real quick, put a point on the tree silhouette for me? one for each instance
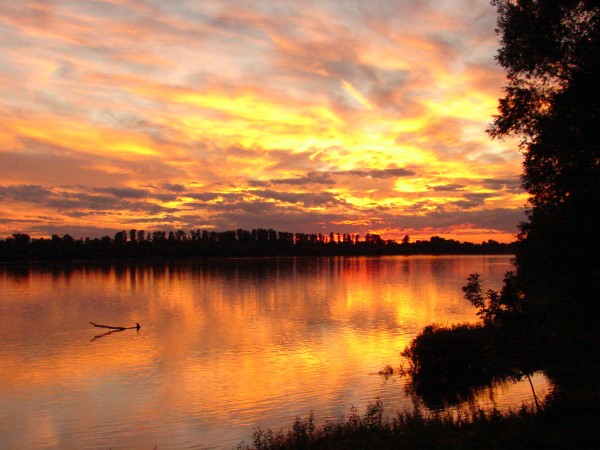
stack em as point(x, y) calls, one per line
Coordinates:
point(550, 52)
point(202, 243)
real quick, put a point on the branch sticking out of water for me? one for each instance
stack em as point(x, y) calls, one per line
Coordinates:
point(137, 327)
point(113, 329)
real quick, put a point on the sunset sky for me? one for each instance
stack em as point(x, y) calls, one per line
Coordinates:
point(349, 116)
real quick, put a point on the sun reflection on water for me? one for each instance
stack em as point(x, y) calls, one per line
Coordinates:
point(225, 345)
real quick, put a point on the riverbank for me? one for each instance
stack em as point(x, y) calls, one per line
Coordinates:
point(563, 345)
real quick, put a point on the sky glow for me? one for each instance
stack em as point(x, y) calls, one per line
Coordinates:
point(303, 116)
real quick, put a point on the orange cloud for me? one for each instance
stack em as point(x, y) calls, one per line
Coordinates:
point(216, 98)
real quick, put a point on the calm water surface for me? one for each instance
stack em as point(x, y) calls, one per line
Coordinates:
point(225, 346)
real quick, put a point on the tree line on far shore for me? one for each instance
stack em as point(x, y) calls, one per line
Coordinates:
point(258, 242)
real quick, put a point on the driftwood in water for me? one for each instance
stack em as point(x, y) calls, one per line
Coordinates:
point(113, 329)
point(137, 327)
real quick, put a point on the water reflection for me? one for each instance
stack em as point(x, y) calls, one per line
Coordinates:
point(225, 345)
point(528, 388)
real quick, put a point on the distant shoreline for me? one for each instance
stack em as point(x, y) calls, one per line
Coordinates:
point(231, 244)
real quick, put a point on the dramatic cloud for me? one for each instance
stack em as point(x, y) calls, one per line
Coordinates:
point(375, 173)
point(124, 192)
point(301, 116)
point(311, 178)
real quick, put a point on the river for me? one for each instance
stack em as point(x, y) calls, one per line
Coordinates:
point(224, 346)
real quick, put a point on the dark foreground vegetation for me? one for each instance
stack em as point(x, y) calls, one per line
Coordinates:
point(448, 366)
point(546, 316)
point(526, 428)
point(201, 243)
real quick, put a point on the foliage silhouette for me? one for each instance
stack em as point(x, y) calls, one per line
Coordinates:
point(201, 243)
point(473, 428)
point(552, 103)
point(450, 364)
point(493, 306)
